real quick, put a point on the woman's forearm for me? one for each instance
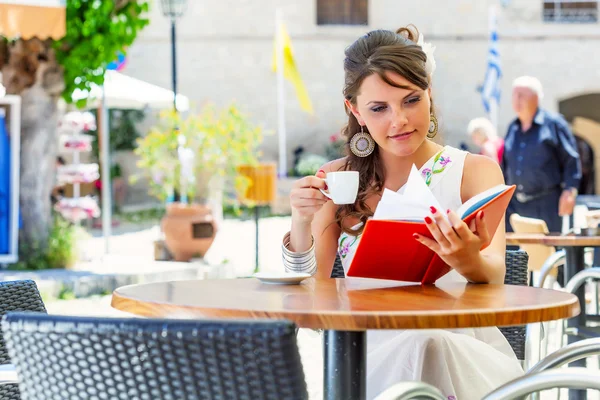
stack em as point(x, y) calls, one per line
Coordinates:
point(300, 235)
point(487, 268)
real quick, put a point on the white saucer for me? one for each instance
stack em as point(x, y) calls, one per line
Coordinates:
point(281, 278)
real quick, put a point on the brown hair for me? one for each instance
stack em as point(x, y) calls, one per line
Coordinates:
point(377, 52)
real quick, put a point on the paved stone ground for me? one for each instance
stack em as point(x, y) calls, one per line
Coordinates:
point(235, 243)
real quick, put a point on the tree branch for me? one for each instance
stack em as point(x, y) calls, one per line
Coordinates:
point(120, 4)
point(3, 52)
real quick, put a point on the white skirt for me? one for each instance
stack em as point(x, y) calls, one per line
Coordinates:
point(464, 364)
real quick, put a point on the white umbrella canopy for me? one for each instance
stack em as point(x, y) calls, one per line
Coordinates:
point(123, 91)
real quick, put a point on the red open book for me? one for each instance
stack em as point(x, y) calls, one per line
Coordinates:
point(388, 250)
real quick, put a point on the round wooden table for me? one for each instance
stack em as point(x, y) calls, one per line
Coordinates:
point(346, 308)
point(552, 239)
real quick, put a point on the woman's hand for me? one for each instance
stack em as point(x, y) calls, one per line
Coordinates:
point(458, 244)
point(305, 197)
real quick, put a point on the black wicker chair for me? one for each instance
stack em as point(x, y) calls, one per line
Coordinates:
point(516, 274)
point(16, 296)
point(60, 357)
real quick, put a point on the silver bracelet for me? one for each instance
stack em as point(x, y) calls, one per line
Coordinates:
point(304, 261)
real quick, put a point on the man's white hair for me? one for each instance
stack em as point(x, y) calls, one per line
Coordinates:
point(531, 83)
point(482, 125)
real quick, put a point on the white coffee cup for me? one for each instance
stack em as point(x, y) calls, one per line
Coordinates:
point(342, 186)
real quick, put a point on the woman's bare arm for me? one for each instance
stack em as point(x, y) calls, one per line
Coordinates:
point(482, 173)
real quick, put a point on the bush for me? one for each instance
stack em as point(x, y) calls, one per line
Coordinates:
point(60, 252)
point(335, 147)
point(309, 164)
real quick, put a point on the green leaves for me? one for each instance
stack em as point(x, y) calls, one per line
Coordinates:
point(96, 34)
point(221, 140)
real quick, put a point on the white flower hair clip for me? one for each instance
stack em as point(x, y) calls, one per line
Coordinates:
point(428, 49)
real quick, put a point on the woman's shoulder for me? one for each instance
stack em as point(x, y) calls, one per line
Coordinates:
point(480, 173)
point(480, 166)
point(475, 161)
point(335, 165)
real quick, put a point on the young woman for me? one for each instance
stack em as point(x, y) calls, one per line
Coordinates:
point(391, 121)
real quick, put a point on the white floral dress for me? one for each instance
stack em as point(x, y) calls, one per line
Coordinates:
point(464, 364)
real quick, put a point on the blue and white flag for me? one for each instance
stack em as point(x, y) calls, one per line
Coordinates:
point(490, 91)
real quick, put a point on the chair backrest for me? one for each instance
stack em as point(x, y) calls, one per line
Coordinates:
point(338, 269)
point(538, 253)
point(80, 358)
point(516, 274)
point(522, 387)
point(16, 296)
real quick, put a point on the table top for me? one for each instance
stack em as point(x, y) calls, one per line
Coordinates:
point(349, 304)
point(552, 239)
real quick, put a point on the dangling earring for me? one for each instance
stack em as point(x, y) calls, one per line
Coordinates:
point(433, 127)
point(362, 144)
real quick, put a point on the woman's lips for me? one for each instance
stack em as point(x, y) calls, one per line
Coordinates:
point(402, 136)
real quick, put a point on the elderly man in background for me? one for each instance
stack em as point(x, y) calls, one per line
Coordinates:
point(483, 134)
point(540, 157)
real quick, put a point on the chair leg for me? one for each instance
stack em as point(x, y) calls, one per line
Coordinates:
point(547, 341)
point(596, 297)
point(562, 334)
point(543, 336)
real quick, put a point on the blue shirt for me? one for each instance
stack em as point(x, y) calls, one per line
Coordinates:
point(542, 158)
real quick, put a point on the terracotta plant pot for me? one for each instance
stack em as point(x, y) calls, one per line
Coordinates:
point(189, 229)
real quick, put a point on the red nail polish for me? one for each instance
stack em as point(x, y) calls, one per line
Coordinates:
point(433, 210)
point(415, 236)
point(428, 220)
point(325, 188)
point(320, 171)
point(481, 213)
point(448, 211)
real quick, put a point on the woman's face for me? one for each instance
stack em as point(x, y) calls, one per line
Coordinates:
point(397, 118)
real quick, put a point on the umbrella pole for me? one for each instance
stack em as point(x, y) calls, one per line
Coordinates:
point(106, 181)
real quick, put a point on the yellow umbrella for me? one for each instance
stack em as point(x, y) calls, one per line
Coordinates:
point(33, 18)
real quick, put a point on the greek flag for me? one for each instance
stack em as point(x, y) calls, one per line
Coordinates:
point(490, 91)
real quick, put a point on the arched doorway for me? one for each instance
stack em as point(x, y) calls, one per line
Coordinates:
point(583, 113)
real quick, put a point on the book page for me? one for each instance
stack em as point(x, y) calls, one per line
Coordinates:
point(412, 205)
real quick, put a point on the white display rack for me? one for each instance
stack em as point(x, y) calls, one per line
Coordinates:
point(77, 208)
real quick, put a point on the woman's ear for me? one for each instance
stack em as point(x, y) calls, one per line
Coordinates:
point(354, 111)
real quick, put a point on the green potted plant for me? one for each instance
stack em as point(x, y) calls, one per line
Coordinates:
point(196, 156)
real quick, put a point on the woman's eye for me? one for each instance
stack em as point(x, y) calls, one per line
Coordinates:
point(413, 100)
point(378, 108)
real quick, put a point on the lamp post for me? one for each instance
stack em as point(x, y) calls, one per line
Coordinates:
point(173, 9)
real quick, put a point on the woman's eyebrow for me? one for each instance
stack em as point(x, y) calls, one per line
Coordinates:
point(383, 102)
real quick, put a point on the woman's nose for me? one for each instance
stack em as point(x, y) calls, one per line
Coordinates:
point(400, 118)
